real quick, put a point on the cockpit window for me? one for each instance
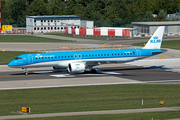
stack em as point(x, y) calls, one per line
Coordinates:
point(18, 58)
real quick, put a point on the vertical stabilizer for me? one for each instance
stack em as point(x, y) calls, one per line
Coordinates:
point(156, 40)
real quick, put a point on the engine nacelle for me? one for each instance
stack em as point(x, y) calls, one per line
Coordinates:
point(76, 67)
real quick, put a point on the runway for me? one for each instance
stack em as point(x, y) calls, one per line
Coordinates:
point(159, 69)
point(106, 75)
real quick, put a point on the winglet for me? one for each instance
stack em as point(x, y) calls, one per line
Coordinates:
point(156, 40)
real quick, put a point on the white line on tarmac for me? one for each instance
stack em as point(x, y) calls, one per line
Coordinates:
point(76, 85)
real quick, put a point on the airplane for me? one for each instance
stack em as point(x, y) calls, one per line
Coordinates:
point(79, 61)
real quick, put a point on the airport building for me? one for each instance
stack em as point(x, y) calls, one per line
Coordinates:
point(171, 27)
point(55, 23)
point(51, 23)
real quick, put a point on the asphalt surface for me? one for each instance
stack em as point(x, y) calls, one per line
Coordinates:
point(159, 69)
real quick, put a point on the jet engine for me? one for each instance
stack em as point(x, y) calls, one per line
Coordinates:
point(76, 67)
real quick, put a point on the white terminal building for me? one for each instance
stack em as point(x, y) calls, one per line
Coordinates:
point(54, 23)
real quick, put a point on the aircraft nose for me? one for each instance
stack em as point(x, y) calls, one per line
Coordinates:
point(11, 64)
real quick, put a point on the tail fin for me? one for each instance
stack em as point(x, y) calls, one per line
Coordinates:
point(156, 40)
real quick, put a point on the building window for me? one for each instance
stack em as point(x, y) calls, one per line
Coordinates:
point(48, 24)
point(48, 20)
point(44, 28)
point(35, 28)
point(35, 24)
point(41, 20)
point(41, 24)
point(44, 20)
point(51, 20)
point(34, 20)
point(55, 28)
point(55, 21)
point(41, 28)
point(51, 28)
point(55, 24)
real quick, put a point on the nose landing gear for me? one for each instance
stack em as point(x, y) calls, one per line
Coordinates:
point(25, 71)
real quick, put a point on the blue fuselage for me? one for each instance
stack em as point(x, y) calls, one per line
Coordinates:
point(61, 59)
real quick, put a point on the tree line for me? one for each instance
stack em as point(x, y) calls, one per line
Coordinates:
point(103, 12)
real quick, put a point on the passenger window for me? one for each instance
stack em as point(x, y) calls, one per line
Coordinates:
point(124, 53)
point(108, 54)
point(101, 54)
point(92, 55)
point(127, 53)
point(121, 53)
point(115, 54)
point(104, 54)
point(112, 54)
point(86, 55)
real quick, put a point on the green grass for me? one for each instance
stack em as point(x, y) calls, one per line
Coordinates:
point(89, 98)
point(110, 38)
point(172, 44)
point(93, 38)
point(26, 38)
point(130, 116)
point(8, 56)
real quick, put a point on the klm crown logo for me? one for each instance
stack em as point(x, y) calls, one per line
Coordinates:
point(156, 40)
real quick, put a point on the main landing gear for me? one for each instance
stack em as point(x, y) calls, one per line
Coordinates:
point(93, 71)
point(25, 71)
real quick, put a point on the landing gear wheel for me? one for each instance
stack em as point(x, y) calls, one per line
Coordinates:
point(93, 71)
point(25, 71)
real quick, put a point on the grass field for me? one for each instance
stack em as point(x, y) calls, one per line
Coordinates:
point(93, 38)
point(27, 38)
point(8, 56)
point(172, 44)
point(89, 98)
point(110, 38)
point(130, 116)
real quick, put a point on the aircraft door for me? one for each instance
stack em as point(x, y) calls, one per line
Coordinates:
point(138, 53)
point(30, 58)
